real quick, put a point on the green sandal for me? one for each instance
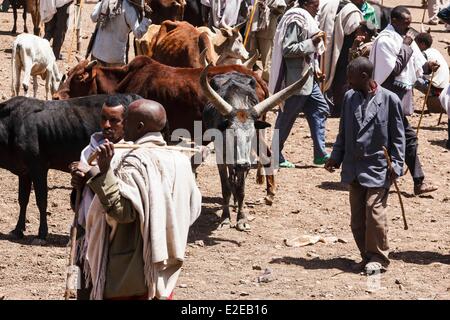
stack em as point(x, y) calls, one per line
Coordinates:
point(322, 160)
point(287, 164)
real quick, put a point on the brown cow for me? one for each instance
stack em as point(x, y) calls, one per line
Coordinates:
point(166, 10)
point(31, 7)
point(177, 89)
point(179, 44)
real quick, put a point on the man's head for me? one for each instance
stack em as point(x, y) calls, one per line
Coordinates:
point(424, 40)
point(144, 116)
point(401, 19)
point(113, 115)
point(358, 3)
point(312, 6)
point(359, 74)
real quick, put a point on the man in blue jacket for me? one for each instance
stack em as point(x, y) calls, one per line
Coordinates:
point(371, 119)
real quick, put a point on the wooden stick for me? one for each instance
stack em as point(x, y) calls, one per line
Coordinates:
point(424, 103)
point(440, 118)
point(249, 26)
point(74, 29)
point(94, 154)
point(73, 242)
point(322, 61)
point(388, 159)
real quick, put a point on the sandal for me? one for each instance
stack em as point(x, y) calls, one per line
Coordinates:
point(374, 267)
point(287, 164)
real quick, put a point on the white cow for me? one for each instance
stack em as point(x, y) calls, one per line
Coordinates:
point(35, 57)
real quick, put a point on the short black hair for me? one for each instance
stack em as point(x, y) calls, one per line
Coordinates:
point(369, 28)
point(360, 65)
point(425, 38)
point(399, 11)
point(121, 99)
point(301, 3)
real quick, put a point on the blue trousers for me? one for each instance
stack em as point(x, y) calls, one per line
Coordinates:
point(316, 111)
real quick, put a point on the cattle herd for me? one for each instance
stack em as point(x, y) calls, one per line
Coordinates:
point(198, 74)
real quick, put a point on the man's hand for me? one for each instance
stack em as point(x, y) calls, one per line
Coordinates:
point(357, 42)
point(78, 179)
point(320, 76)
point(392, 175)
point(433, 65)
point(317, 37)
point(105, 153)
point(407, 40)
point(331, 165)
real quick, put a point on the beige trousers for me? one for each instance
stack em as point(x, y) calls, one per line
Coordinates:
point(369, 222)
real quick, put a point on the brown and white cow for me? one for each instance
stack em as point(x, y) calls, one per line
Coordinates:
point(179, 44)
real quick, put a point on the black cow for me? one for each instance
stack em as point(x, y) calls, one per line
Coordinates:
point(234, 110)
point(36, 136)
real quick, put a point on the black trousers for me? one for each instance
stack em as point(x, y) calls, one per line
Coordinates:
point(411, 157)
point(56, 28)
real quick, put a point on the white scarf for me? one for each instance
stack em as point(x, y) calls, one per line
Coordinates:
point(347, 21)
point(161, 186)
point(384, 55)
point(305, 21)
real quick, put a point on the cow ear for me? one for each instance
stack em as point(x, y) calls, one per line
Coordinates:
point(261, 124)
point(63, 78)
point(224, 125)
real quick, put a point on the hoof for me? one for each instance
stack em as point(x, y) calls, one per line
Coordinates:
point(242, 225)
point(269, 199)
point(225, 224)
point(38, 242)
point(16, 234)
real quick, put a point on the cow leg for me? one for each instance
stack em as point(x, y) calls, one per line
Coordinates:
point(242, 223)
point(27, 64)
point(226, 194)
point(40, 189)
point(24, 15)
point(17, 70)
point(24, 196)
point(36, 86)
point(14, 7)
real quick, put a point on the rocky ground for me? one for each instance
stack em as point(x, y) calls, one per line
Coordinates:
point(266, 262)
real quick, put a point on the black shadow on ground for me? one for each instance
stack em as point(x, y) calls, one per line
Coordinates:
point(343, 264)
point(420, 257)
point(332, 185)
point(53, 240)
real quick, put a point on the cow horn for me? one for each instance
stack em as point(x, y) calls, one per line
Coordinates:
point(221, 105)
point(203, 58)
point(78, 57)
point(278, 97)
point(251, 62)
point(239, 26)
point(91, 64)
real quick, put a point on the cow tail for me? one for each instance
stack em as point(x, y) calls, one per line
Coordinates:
point(205, 43)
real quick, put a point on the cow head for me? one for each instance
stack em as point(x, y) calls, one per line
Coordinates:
point(79, 82)
point(167, 10)
point(229, 44)
point(235, 99)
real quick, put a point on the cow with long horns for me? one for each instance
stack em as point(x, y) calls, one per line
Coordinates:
point(234, 110)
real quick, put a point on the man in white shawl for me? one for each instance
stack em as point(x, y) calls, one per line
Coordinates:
point(55, 16)
point(112, 122)
point(223, 12)
point(348, 17)
point(297, 44)
point(138, 223)
point(398, 63)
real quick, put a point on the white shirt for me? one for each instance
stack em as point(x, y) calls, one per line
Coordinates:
point(111, 40)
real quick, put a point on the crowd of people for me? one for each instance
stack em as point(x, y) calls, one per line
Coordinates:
point(361, 71)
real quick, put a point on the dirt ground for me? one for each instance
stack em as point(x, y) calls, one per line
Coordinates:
point(226, 263)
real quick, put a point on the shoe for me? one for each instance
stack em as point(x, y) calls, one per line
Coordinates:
point(322, 160)
point(373, 268)
point(424, 188)
point(287, 164)
point(432, 23)
point(444, 15)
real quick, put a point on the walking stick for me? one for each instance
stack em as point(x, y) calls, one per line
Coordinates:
point(72, 270)
point(424, 103)
point(322, 61)
point(440, 118)
point(249, 25)
point(388, 159)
